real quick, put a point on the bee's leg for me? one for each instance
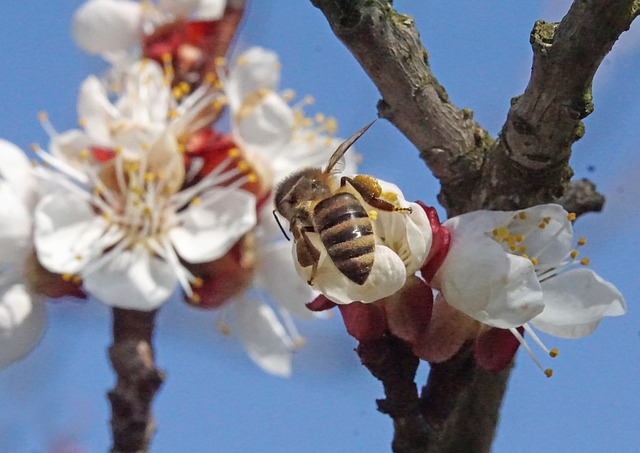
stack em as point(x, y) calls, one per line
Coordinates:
point(370, 189)
point(311, 253)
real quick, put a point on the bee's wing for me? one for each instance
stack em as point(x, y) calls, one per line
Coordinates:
point(338, 154)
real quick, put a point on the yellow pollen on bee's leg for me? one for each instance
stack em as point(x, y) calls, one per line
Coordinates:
point(571, 216)
point(373, 214)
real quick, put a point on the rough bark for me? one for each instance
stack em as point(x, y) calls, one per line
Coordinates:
point(138, 380)
point(527, 164)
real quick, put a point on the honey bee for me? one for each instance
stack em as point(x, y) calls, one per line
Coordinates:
point(307, 201)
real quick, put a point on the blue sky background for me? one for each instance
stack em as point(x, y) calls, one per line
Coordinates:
point(215, 399)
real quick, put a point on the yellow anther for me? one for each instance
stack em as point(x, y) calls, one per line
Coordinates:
point(82, 122)
point(501, 233)
point(197, 282)
point(184, 87)
point(171, 114)
point(534, 261)
point(181, 148)
point(243, 166)
point(554, 352)
point(83, 154)
point(177, 92)
point(194, 298)
point(223, 328)
point(195, 201)
point(307, 122)
point(210, 77)
point(76, 280)
point(548, 372)
point(542, 226)
point(34, 147)
point(585, 261)
point(308, 100)
point(234, 152)
point(546, 220)
point(166, 58)
point(66, 277)
point(524, 255)
point(573, 254)
point(218, 104)
point(117, 149)
point(219, 61)
point(522, 215)
point(373, 214)
point(582, 241)
point(144, 146)
point(519, 238)
point(522, 249)
point(78, 257)
point(513, 247)
point(43, 116)
point(106, 216)
point(241, 60)
point(149, 177)
point(288, 95)
point(319, 117)
point(99, 190)
point(571, 216)
point(147, 211)
point(331, 125)
point(252, 177)
point(299, 342)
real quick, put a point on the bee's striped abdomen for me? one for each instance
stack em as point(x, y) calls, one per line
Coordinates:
point(347, 234)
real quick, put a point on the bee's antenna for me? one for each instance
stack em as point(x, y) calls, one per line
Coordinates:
point(275, 216)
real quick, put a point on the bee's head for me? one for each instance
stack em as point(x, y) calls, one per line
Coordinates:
point(304, 185)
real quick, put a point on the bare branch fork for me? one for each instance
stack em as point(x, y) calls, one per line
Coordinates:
point(527, 164)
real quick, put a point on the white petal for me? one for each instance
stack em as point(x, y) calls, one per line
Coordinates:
point(178, 8)
point(95, 110)
point(22, 321)
point(551, 244)
point(575, 302)
point(387, 276)
point(67, 232)
point(263, 336)
point(210, 9)
point(209, 229)
point(16, 169)
point(68, 146)
point(132, 279)
point(264, 126)
point(478, 278)
point(256, 69)
point(15, 226)
point(276, 274)
point(107, 25)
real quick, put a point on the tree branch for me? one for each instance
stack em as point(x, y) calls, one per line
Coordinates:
point(391, 361)
point(528, 165)
point(138, 380)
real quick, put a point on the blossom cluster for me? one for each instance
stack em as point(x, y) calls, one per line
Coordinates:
point(150, 193)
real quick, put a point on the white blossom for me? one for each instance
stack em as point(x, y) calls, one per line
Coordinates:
point(22, 311)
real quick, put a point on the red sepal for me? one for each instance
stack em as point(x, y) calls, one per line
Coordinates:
point(495, 348)
point(439, 245)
